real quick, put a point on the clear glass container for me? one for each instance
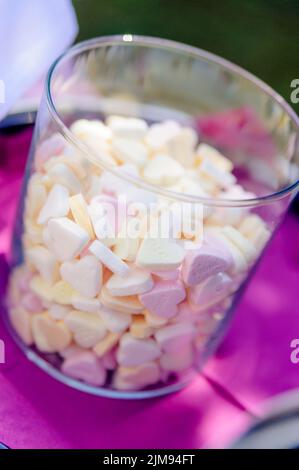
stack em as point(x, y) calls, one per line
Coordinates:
point(71, 319)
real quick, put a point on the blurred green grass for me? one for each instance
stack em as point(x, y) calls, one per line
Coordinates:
point(260, 35)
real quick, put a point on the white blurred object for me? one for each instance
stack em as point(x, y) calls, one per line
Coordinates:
point(32, 34)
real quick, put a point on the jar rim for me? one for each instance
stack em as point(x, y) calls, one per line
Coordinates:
point(160, 43)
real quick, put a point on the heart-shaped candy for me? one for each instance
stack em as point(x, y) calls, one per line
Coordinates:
point(88, 329)
point(164, 298)
point(159, 254)
point(205, 261)
point(173, 337)
point(134, 378)
point(135, 282)
point(84, 275)
point(65, 238)
point(50, 335)
point(212, 291)
point(56, 205)
point(85, 366)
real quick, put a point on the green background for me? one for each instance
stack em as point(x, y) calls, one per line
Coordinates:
point(260, 35)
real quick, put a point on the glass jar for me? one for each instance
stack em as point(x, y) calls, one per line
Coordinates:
point(134, 239)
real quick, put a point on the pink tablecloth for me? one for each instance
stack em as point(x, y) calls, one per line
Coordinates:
point(252, 364)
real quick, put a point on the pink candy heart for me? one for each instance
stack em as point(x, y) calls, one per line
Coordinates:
point(85, 366)
point(212, 291)
point(203, 262)
point(164, 298)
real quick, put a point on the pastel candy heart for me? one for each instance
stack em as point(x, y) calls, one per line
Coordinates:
point(177, 361)
point(79, 211)
point(126, 248)
point(129, 128)
point(186, 313)
point(44, 261)
point(49, 335)
point(21, 321)
point(161, 133)
point(49, 148)
point(57, 311)
point(171, 275)
point(239, 263)
point(140, 328)
point(63, 175)
point(211, 291)
point(41, 288)
point(86, 304)
point(243, 244)
point(203, 262)
point(36, 196)
point(159, 254)
point(73, 160)
point(31, 302)
point(162, 170)
point(106, 344)
point(85, 366)
point(134, 378)
point(108, 258)
point(84, 128)
point(163, 299)
point(84, 275)
point(115, 321)
point(128, 304)
point(62, 293)
point(71, 350)
point(66, 238)
point(133, 351)
point(135, 282)
point(173, 337)
point(88, 329)
point(56, 205)
point(130, 151)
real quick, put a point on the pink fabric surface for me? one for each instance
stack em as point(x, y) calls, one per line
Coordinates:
point(252, 364)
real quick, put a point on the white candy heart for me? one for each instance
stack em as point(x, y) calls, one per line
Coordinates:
point(163, 170)
point(84, 275)
point(159, 254)
point(56, 205)
point(61, 174)
point(129, 128)
point(130, 151)
point(66, 238)
point(161, 133)
point(86, 304)
point(135, 282)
